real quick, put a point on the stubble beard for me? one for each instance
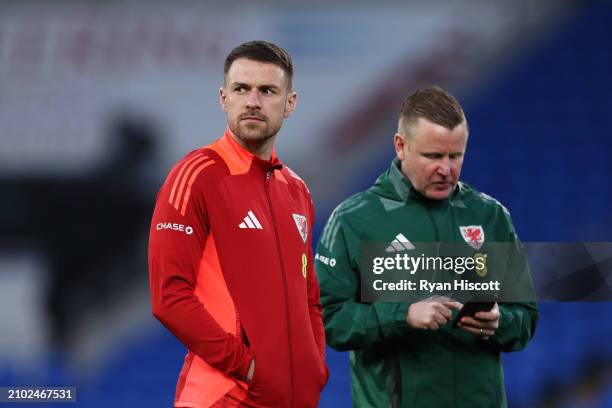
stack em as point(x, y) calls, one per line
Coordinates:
point(256, 136)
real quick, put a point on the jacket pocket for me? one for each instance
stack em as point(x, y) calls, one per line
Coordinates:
point(244, 340)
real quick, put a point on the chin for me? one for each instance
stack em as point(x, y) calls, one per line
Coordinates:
point(251, 133)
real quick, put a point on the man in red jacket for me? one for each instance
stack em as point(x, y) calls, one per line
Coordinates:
point(230, 254)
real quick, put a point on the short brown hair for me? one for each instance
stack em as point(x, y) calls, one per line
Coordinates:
point(434, 104)
point(261, 51)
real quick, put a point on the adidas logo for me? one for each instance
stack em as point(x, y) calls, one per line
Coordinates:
point(400, 243)
point(250, 221)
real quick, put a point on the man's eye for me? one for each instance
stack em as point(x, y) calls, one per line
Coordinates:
point(456, 156)
point(267, 91)
point(240, 89)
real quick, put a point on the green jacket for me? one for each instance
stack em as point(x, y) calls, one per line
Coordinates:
point(392, 364)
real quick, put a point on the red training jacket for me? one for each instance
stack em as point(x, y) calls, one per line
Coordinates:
point(231, 274)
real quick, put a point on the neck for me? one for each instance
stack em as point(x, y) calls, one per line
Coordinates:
point(260, 148)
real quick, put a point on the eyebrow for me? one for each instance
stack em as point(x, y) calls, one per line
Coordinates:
point(429, 152)
point(245, 85)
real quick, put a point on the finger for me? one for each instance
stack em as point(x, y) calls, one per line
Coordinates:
point(422, 326)
point(446, 313)
point(487, 315)
point(492, 323)
point(453, 304)
point(445, 299)
point(479, 324)
point(485, 333)
point(440, 319)
point(482, 325)
point(433, 325)
point(443, 310)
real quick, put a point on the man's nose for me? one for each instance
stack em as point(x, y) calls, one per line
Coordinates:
point(444, 169)
point(254, 100)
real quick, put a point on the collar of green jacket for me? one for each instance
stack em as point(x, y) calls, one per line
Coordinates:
point(394, 185)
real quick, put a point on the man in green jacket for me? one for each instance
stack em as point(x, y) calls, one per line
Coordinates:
point(408, 354)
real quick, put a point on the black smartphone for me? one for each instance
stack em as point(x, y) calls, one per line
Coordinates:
point(471, 308)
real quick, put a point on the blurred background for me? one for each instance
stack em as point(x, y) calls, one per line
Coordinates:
point(99, 99)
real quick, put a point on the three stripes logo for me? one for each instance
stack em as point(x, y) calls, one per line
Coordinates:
point(181, 189)
point(250, 221)
point(400, 243)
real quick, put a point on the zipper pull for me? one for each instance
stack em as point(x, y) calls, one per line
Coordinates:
point(268, 174)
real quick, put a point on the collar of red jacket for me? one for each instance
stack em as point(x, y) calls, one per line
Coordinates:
point(245, 157)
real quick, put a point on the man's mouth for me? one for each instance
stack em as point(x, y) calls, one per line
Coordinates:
point(253, 118)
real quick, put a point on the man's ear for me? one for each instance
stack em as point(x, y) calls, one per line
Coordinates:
point(223, 98)
point(290, 104)
point(399, 141)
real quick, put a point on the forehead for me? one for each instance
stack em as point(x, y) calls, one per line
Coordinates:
point(247, 71)
point(427, 135)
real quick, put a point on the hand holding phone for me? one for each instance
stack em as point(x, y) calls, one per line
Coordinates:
point(483, 326)
point(471, 308)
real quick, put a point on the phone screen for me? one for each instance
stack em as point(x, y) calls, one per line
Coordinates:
point(471, 308)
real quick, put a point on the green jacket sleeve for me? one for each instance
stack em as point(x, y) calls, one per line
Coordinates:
point(518, 320)
point(350, 324)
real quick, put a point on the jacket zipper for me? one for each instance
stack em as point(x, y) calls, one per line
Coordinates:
point(437, 239)
point(433, 223)
point(283, 276)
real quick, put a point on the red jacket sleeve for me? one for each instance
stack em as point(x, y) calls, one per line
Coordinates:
point(178, 233)
point(314, 302)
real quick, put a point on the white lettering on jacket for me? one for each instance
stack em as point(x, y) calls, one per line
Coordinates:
point(174, 227)
point(325, 260)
